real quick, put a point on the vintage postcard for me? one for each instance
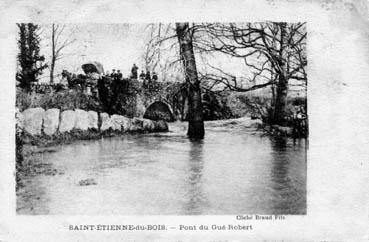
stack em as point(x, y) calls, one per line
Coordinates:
point(185, 121)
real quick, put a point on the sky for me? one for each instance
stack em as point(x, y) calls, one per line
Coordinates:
point(117, 46)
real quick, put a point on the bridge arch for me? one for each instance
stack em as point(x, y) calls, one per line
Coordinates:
point(159, 110)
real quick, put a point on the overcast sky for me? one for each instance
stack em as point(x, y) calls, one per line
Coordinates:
point(116, 46)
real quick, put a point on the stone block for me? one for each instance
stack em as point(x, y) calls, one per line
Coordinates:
point(67, 121)
point(105, 121)
point(81, 122)
point(93, 120)
point(51, 121)
point(32, 120)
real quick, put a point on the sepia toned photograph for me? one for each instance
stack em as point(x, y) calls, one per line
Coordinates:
point(183, 118)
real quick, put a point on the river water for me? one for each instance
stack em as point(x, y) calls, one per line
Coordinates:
point(234, 170)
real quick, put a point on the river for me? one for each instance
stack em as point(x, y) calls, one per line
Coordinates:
point(234, 170)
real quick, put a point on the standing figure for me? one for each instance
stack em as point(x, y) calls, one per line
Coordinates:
point(113, 74)
point(154, 76)
point(142, 75)
point(148, 76)
point(119, 75)
point(134, 71)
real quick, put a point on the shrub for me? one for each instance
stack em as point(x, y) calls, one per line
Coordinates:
point(64, 100)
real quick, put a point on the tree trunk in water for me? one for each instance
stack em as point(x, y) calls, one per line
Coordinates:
point(195, 119)
point(280, 102)
point(279, 116)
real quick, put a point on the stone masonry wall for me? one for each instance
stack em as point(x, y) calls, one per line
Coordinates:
point(37, 121)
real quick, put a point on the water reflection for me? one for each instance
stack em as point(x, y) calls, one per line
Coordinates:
point(286, 176)
point(234, 170)
point(196, 197)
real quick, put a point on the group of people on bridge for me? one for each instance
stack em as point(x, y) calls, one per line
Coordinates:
point(144, 76)
point(88, 83)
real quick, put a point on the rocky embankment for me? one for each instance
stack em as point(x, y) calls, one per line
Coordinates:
point(52, 123)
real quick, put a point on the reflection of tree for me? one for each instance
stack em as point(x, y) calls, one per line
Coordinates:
point(195, 197)
point(289, 194)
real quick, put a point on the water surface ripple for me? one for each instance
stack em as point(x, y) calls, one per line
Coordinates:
point(234, 170)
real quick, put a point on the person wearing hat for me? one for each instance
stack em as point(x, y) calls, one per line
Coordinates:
point(154, 76)
point(134, 71)
point(148, 76)
point(142, 75)
point(113, 74)
point(119, 75)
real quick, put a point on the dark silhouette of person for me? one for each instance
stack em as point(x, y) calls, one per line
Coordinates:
point(119, 75)
point(134, 71)
point(154, 76)
point(142, 75)
point(113, 74)
point(148, 76)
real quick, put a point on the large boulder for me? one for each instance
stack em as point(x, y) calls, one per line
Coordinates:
point(161, 125)
point(136, 125)
point(148, 125)
point(93, 120)
point(32, 120)
point(51, 121)
point(126, 124)
point(117, 121)
point(105, 122)
point(67, 121)
point(81, 119)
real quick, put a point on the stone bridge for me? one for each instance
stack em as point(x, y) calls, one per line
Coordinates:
point(159, 110)
point(165, 103)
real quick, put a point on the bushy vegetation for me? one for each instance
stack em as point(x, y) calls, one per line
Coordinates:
point(29, 59)
point(126, 96)
point(215, 106)
point(63, 100)
point(119, 96)
point(261, 107)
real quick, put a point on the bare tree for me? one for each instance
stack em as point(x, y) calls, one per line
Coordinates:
point(161, 52)
point(274, 52)
point(195, 116)
point(57, 46)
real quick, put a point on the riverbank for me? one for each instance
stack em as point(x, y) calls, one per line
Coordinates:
point(38, 129)
point(30, 149)
point(278, 131)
